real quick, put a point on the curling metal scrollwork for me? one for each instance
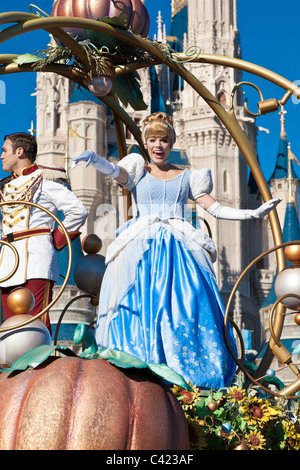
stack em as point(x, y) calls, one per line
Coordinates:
point(278, 349)
point(68, 272)
point(265, 106)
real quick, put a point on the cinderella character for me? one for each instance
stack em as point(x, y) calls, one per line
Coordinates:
point(159, 299)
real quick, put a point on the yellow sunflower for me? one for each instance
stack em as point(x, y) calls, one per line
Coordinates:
point(236, 395)
point(187, 398)
point(258, 412)
point(293, 437)
point(255, 440)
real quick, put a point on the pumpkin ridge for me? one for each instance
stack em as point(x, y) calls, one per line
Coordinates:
point(49, 373)
point(74, 399)
point(86, 368)
point(20, 392)
point(131, 424)
point(175, 415)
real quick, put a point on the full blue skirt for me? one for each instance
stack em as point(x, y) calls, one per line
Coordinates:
point(173, 314)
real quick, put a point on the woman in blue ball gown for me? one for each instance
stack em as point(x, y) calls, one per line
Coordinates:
point(159, 300)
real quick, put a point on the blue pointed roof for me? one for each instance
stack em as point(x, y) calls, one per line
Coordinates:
point(291, 229)
point(281, 168)
point(282, 162)
point(178, 27)
point(157, 101)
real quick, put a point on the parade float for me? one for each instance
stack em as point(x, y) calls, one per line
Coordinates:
point(52, 398)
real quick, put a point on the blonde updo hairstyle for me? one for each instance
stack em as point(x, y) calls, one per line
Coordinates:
point(159, 125)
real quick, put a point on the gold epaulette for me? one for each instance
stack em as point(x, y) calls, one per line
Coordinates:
point(52, 173)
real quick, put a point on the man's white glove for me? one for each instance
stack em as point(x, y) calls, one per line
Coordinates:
point(100, 163)
point(230, 213)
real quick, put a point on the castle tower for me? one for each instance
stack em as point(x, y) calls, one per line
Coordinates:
point(284, 182)
point(212, 27)
point(70, 121)
point(52, 97)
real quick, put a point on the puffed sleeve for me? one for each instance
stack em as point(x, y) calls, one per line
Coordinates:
point(200, 183)
point(134, 164)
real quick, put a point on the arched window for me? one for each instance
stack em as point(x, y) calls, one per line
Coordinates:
point(223, 92)
point(222, 98)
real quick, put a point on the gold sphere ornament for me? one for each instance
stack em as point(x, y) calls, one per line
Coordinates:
point(212, 406)
point(297, 318)
point(288, 282)
point(292, 253)
point(242, 446)
point(91, 244)
point(16, 342)
point(95, 301)
point(20, 300)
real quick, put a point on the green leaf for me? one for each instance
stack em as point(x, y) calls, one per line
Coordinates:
point(126, 360)
point(119, 21)
point(201, 408)
point(128, 89)
point(240, 424)
point(217, 396)
point(220, 413)
point(35, 357)
point(26, 59)
point(101, 39)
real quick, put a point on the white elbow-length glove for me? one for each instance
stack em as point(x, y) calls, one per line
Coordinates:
point(230, 213)
point(100, 163)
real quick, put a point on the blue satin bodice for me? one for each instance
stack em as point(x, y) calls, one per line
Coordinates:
point(164, 198)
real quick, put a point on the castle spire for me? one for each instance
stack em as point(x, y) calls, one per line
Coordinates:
point(290, 176)
point(282, 121)
point(160, 28)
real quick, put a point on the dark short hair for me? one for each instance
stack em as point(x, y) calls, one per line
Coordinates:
point(26, 141)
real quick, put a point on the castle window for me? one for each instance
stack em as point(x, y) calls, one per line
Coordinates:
point(222, 98)
point(58, 120)
point(223, 91)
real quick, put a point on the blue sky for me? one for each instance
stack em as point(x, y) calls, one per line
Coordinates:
point(269, 37)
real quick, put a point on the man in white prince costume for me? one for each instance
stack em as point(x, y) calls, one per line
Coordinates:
point(30, 229)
